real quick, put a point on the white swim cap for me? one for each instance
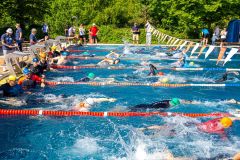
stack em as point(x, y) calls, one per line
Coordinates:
point(89, 101)
point(9, 30)
point(94, 24)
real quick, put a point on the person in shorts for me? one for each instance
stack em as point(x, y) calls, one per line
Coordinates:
point(136, 33)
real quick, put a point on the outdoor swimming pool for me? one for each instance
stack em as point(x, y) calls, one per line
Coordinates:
point(28, 137)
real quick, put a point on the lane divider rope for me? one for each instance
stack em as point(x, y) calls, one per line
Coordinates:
point(107, 114)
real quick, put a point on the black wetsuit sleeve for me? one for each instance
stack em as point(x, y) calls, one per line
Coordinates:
point(161, 104)
point(85, 79)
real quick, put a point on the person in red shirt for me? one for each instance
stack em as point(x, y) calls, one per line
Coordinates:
point(30, 80)
point(93, 33)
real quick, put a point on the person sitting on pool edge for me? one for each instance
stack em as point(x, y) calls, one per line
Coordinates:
point(62, 59)
point(43, 62)
point(30, 80)
point(87, 103)
point(225, 76)
point(35, 68)
point(90, 77)
point(11, 88)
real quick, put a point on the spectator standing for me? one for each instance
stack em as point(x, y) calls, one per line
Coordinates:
point(205, 36)
point(216, 35)
point(223, 35)
point(33, 38)
point(18, 36)
point(82, 34)
point(135, 32)
point(45, 31)
point(93, 33)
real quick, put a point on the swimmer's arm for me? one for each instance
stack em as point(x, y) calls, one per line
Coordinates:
point(155, 127)
point(99, 100)
point(235, 118)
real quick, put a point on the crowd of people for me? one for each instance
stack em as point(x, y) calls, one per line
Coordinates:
point(34, 72)
point(81, 36)
point(218, 35)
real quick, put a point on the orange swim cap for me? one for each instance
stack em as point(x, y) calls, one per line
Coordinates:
point(226, 122)
point(81, 104)
point(160, 73)
point(42, 55)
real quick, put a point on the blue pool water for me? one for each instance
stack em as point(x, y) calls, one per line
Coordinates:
point(121, 138)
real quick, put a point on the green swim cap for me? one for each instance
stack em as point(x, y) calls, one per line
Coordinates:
point(91, 75)
point(175, 102)
point(85, 53)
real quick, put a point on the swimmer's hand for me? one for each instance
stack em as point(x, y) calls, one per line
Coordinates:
point(112, 99)
point(43, 85)
point(233, 101)
point(236, 114)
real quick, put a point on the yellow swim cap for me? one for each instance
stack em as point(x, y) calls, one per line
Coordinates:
point(164, 80)
point(191, 63)
point(53, 48)
point(12, 78)
point(226, 122)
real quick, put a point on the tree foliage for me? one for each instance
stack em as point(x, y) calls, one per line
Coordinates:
point(178, 16)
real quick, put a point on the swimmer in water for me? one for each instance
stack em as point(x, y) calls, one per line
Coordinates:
point(153, 70)
point(90, 77)
point(87, 103)
point(164, 104)
point(112, 55)
point(214, 126)
point(108, 61)
point(225, 76)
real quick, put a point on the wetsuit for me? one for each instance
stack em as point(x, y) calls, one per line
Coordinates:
point(157, 105)
point(29, 83)
point(153, 70)
point(85, 79)
point(11, 91)
point(37, 70)
point(56, 54)
point(225, 77)
point(44, 66)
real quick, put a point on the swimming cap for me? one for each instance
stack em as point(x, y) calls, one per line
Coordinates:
point(160, 73)
point(42, 55)
point(12, 78)
point(175, 102)
point(35, 60)
point(26, 71)
point(91, 75)
point(191, 63)
point(9, 30)
point(85, 53)
point(53, 48)
point(89, 101)
point(226, 122)
point(64, 53)
point(164, 80)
